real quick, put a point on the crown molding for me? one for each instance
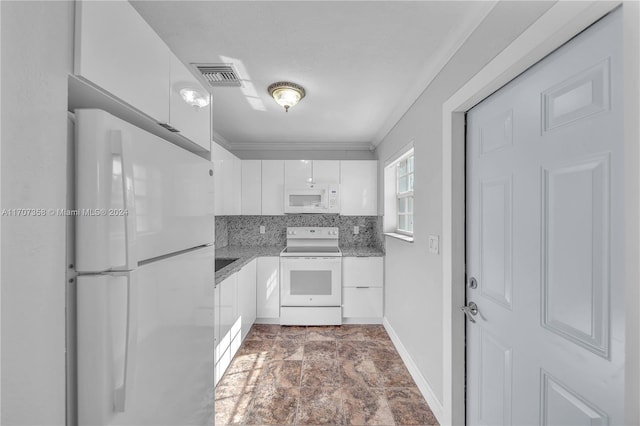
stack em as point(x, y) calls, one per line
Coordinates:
point(302, 146)
point(220, 140)
point(431, 70)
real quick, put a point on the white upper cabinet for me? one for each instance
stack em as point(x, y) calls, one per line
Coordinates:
point(118, 51)
point(191, 121)
point(300, 172)
point(272, 187)
point(227, 169)
point(251, 187)
point(232, 186)
point(359, 188)
point(326, 171)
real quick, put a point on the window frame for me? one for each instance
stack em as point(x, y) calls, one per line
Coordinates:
point(405, 195)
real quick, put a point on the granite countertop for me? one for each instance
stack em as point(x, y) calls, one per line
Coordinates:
point(246, 254)
point(358, 251)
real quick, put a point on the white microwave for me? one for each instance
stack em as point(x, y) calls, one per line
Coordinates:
point(312, 198)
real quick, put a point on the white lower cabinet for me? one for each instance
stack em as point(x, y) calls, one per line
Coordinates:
point(268, 289)
point(235, 313)
point(247, 296)
point(227, 306)
point(362, 289)
point(362, 302)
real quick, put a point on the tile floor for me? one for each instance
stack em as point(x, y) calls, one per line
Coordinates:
point(344, 375)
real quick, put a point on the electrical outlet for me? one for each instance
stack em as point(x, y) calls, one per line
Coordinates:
point(434, 244)
point(262, 229)
point(356, 230)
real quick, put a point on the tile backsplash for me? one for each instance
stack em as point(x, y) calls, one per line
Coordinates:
point(245, 230)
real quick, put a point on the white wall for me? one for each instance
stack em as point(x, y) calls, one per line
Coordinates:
point(409, 268)
point(36, 58)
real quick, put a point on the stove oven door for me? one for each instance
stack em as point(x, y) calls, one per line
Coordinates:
point(311, 281)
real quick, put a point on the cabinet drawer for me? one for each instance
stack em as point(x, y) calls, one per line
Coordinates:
point(362, 271)
point(362, 302)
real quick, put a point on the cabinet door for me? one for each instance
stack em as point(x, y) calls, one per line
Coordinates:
point(362, 271)
point(216, 316)
point(118, 51)
point(359, 188)
point(326, 171)
point(272, 187)
point(297, 173)
point(193, 122)
point(251, 187)
point(228, 308)
point(268, 287)
point(247, 297)
point(218, 195)
point(362, 302)
point(231, 186)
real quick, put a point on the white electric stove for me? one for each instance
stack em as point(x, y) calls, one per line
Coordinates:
point(311, 277)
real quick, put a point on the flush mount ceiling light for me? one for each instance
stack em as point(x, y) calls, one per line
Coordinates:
point(286, 94)
point(194, 97)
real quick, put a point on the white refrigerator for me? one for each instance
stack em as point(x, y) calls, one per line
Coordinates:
point(145, 261)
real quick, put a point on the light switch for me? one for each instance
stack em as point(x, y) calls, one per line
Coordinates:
point(262, 229)
point(356, 230)
point(434, 244)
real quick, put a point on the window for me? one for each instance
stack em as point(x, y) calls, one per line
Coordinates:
point(398, 194)
point(404, 194)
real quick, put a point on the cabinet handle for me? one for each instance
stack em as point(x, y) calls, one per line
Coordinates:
point(362, 286)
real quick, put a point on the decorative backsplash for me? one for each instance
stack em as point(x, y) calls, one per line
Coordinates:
point(222, 232)
point(245, 230)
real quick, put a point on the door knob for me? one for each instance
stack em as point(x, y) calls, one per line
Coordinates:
point(470, 311)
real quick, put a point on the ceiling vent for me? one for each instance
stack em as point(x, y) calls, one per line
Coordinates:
point(219, 75)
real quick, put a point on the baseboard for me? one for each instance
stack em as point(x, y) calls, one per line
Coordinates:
point(267, 321)
point(421, 381)
point(362, 320)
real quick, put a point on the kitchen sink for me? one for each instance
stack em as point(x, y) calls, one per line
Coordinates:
point(221, 263)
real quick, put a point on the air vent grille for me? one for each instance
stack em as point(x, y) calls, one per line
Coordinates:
point(219, 75)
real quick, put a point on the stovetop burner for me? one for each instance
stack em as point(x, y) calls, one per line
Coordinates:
point(312, 242)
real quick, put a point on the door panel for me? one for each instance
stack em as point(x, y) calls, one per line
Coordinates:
point(576, 225)
point(494, 385)
point(495, 235)
point(561, 405)
point(545, 240)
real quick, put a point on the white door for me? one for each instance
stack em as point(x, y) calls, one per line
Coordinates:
point(545, 241)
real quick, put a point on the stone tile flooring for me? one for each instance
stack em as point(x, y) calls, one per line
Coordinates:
point(342, 375)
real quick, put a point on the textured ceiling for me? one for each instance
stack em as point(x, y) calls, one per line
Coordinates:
point(362, 63)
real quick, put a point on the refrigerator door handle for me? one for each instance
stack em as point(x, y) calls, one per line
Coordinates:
point(130, 347)
point(121, 146)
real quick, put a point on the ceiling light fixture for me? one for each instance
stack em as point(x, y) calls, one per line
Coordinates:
point(286, 94)
point(194, 97)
